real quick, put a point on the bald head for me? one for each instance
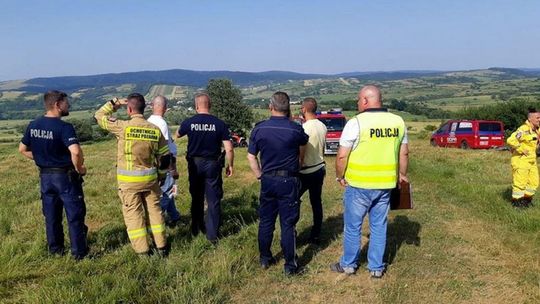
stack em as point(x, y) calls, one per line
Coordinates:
point(202, 103)
point(369, 97)
point(159, 105)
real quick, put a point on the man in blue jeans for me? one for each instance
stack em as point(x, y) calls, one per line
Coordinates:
point(372, 158)
point(159, 108)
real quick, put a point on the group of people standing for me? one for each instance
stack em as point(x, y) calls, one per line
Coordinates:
point(285, 157)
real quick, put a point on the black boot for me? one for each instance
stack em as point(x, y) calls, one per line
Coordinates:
point(527, 201)
point(517, 202)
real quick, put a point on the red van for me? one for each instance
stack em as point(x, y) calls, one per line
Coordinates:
point(465, 134)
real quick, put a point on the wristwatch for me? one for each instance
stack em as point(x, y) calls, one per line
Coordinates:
point(339, 179)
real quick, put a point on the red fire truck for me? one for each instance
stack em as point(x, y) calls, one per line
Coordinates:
point(475, 134)
point(334, 120)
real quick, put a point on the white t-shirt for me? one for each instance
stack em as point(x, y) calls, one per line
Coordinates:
point(351, 133)
point(159, 122)
point(316, 130)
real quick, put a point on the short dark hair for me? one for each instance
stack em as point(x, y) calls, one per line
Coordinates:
point(280, 102)
point(136, 102)
point(532, 110)
point(310, 104)
point(52, 97)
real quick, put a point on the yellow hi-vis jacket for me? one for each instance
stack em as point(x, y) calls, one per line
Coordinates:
point(140, 146)
point(374, 162)
point(525, 138)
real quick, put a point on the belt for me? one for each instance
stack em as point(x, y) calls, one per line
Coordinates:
point(202, 158)
point(55, 170)
point(282, 173)
point(313, 166)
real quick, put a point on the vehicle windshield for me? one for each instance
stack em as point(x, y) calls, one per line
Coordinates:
point(333, 124)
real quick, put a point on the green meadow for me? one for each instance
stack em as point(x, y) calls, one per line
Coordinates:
point(462, 243)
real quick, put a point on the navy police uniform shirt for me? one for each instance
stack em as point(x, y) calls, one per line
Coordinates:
point(49, 138)
point(205, 135)
point(278, 139)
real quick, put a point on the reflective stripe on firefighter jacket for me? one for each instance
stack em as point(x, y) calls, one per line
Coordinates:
point(140, 146)
point(374, 163)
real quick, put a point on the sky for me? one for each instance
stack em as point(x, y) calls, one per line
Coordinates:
point(81, 37)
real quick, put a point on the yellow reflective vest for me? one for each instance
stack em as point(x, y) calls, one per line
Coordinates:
point(140, 146)
point(374, 162)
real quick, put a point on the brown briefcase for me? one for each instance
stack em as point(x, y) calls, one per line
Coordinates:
point(401, 197)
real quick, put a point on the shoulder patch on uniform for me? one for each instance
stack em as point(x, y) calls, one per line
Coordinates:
point(519, 134)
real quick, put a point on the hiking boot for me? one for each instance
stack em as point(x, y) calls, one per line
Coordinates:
point(336, 267)
point(172, 223)
point(162, 252)
point(267, 264)
point(517, 202)
point(527, 201)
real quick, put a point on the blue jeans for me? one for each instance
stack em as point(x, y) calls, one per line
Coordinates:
point(167, 200)
point(357, 203)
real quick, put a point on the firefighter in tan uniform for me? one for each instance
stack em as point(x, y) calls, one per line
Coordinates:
point(142, 152)
point(524, 168)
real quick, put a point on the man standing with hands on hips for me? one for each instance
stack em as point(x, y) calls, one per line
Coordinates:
point(372, 158)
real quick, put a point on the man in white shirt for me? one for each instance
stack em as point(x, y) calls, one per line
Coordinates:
point(313, 169)
point(168, 188)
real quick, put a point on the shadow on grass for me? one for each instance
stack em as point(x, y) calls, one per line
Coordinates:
point(400, 230)
point(506, 194)
point(236, 212)
point(108, 239)
point(332, 227)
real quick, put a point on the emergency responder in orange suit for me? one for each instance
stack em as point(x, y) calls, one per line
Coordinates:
point(143, 154)
point(524, 168)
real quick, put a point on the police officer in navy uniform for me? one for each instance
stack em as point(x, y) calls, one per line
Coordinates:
point(53, 145)
point(206, 135)
point(281, 145)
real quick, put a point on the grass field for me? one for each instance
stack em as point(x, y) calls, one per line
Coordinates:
point(462, 242)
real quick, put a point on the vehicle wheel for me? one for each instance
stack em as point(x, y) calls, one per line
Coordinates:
point(433, 143)
point(464, 145)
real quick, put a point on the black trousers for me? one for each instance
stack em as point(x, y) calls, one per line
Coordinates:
point(205, 181)
point(313, 183)
point(64, 191)
point(279, 196)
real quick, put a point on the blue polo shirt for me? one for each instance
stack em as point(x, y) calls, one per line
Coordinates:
point(206, 134)
point(278, 139)
point(49, 138)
